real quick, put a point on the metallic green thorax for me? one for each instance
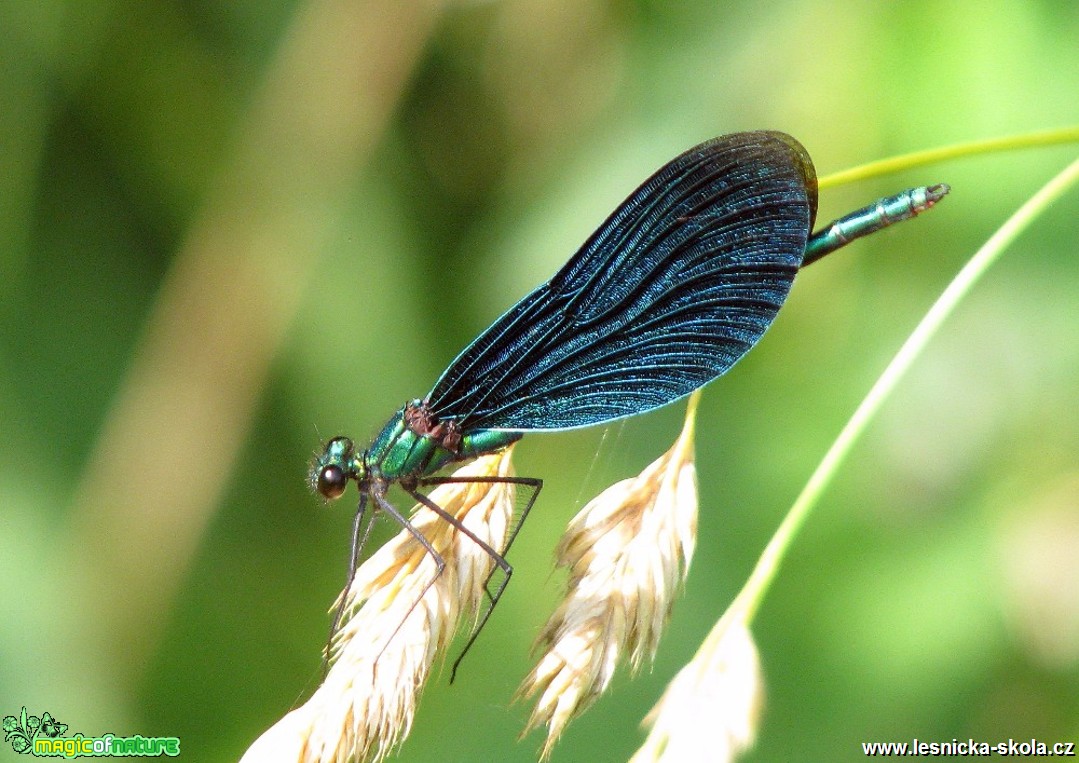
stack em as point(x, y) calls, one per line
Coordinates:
point(411, 445)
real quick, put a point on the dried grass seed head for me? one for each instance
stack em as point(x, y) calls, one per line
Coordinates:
point(628, 552)
point(395, 622)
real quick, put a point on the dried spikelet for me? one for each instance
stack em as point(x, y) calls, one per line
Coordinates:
point(628, 551)
point(392, 629)
point(710, 710)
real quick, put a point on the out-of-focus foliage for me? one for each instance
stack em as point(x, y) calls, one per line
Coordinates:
point(933, 594)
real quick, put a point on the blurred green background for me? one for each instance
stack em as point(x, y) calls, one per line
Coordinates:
point(228, 229)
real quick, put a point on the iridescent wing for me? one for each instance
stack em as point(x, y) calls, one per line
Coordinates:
point(677, 285)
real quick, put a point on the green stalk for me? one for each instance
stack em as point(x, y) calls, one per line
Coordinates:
point(1058, 136)
point(751, 595)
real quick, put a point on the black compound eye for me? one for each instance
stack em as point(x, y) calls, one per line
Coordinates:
point(332, 482)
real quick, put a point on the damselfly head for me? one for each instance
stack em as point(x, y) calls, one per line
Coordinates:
point(331, 471)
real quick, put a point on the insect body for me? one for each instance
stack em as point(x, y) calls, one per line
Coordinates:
point(669, 293)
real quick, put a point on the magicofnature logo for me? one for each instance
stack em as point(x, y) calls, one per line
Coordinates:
point(45, 736)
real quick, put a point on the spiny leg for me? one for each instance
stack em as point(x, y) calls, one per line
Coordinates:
point(440, 563)
point(498, 558)
point(531, 482)
point(354, 554)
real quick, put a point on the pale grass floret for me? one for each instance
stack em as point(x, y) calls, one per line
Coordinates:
point(628, 552)
point(711, 709)
point(392, 629)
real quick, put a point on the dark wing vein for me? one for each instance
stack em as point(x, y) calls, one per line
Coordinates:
point(679, 282)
